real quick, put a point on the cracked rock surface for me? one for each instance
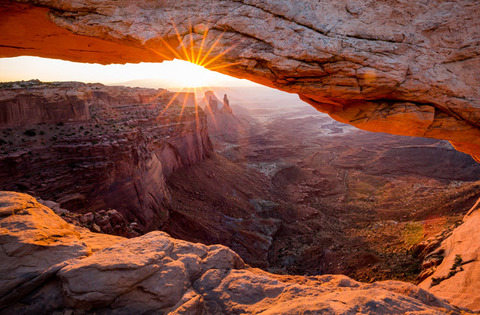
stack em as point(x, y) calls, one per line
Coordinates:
point(50, 266)
point(456, 278)
point(404, 67)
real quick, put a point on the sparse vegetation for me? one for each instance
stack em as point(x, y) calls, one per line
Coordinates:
point(456, 267)
point(30, 132)
point(413, 233)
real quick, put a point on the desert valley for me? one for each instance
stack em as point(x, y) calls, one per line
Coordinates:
point(357, 193)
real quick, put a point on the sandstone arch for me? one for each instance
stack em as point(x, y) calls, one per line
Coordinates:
point(404, 67)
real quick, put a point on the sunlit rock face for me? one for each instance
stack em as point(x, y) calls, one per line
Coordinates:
point(92, 147)
point(456, 275)
point(50, 266)
point(407, 67)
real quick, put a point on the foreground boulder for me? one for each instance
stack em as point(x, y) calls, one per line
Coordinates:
point(404, 67)
point(49, 265)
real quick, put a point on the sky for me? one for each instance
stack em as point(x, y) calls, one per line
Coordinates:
point(174, 75)
point(169, 74)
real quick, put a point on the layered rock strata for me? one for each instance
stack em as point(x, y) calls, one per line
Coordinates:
point(49, 265)
point(93, 147)
point(407, 68)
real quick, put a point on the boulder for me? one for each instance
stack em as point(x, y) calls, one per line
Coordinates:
point(51, 266)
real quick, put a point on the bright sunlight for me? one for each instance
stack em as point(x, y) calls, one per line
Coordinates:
point(169, 74)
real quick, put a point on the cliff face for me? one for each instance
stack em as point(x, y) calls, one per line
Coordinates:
point(22, 106)
point(407, 67)
point(114, 153)
point(49, 265)
point(455, 264)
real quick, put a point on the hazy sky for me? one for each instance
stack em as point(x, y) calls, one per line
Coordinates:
point(169, 74)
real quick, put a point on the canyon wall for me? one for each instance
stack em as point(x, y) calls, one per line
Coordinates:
point(114, 153)
point(408, 67)
point(50, 266)
point(455, 276)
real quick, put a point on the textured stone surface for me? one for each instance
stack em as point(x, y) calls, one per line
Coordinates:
point(456, 278)
point(408, 67)
point(48, 265)
point(93, 147)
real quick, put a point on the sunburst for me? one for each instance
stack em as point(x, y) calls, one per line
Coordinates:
point(203, 57)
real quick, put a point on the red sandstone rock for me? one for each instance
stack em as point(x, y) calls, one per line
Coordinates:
point(223, 125)
point(406, 68)
point(50, 266)
point(94, 147)
point(456, 278)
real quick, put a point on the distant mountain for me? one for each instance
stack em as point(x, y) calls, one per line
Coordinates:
point(245, 96)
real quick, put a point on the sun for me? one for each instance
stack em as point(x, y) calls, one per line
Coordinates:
point(190, 75)
point(193, 71)
point(193, 75)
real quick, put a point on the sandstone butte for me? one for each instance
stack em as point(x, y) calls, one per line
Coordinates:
point(403, 67)
point(50, 266)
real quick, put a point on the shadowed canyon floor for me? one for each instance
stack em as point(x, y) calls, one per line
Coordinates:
point(350, 201)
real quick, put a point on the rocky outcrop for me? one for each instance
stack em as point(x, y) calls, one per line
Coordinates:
point(212, 104)
point(458, 272)
point(49, 265)
point(406, 68)
point(19, 105)
point(103, 221)
point(116, 153)
point(223, 125)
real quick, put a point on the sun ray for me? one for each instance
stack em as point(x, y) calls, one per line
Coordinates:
point(177, 55)
point(180, 40)
point(169, 104)
point(219, 56)
point(224, 66)
point(211, 49)
point(156, 96)
point(192, 51)
point(184, 104)
point(200, 54)
point(204, 37)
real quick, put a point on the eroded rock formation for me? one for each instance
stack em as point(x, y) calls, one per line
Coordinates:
point(49, 265)
point(92, 147)
point(457, 276)
point(223, 125)
point(406, 67)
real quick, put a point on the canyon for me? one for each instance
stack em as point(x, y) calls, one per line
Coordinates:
point(288, 191)
point(291, 193)
point(89, 146)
